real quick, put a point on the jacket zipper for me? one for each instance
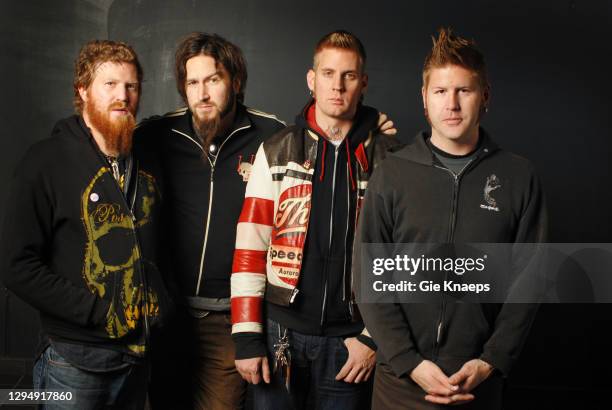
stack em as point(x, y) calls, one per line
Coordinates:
point(210, 197)
point(450, 238)
point(114, 168)
point(331, 226)
point(210, 200)
point(348, 219)
point(145, 282)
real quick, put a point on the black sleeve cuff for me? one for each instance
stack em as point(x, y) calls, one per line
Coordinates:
point(368, 341)
point(499, 360)
point(249, 345)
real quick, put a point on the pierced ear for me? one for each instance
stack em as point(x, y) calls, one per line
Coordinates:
point(486, 95)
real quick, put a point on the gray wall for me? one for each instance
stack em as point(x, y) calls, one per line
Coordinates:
point(549, 66)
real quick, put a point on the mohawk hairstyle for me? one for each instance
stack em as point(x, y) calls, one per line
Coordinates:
point(450, 49)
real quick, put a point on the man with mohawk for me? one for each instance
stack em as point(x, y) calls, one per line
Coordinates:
point(431, 191)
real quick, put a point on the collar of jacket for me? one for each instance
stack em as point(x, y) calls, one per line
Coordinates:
point(418, 151)
point(241, 121)
point(366, 120)
point(74, 127)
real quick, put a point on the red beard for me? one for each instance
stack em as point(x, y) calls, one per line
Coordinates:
point(117, 133)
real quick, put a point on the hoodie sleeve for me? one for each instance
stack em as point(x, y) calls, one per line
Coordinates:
point(25, 247)
point(385, 321)
point(514, 320)
point(248, 279)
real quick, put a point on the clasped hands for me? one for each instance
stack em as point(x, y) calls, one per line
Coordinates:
point(451, 390)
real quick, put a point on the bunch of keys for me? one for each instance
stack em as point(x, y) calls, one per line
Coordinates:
point(282, 357)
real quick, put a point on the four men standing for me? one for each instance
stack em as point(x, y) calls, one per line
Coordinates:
point(293, 241)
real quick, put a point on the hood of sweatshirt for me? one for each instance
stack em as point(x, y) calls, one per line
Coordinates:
point(366, 120)
point(73, 127)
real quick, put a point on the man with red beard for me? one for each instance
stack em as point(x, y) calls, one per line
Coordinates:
point(79, 240)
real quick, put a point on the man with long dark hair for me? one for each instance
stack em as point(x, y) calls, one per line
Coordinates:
point(206, 151)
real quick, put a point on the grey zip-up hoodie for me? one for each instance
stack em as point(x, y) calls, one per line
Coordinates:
point(411, 198)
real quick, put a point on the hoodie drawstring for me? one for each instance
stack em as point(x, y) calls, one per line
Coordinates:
point(348, 161)
point(323, 161)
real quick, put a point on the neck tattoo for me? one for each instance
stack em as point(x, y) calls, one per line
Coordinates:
point(334, 133)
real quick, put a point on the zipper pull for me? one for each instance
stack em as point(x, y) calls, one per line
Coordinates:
point(294, 293)
point(439, 335)
point(115, 167)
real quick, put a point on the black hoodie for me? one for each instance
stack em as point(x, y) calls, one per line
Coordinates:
point(78, 249)
point(412, 199)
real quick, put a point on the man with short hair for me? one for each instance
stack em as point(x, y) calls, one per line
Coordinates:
point(452, 184)
point(294, 242)
point(80, 239)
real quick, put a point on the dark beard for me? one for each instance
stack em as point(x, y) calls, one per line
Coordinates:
point(117, 134)
point(207, 129)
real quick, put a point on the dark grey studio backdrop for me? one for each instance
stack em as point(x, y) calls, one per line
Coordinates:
point(548, 64)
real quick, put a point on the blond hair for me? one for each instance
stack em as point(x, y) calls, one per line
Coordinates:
point(449, 49)
point(340, 39)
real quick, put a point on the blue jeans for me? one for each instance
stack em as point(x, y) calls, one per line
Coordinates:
point(315, 362)
point(125, 388)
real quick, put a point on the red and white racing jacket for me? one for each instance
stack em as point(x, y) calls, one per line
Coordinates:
point(272, 227)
